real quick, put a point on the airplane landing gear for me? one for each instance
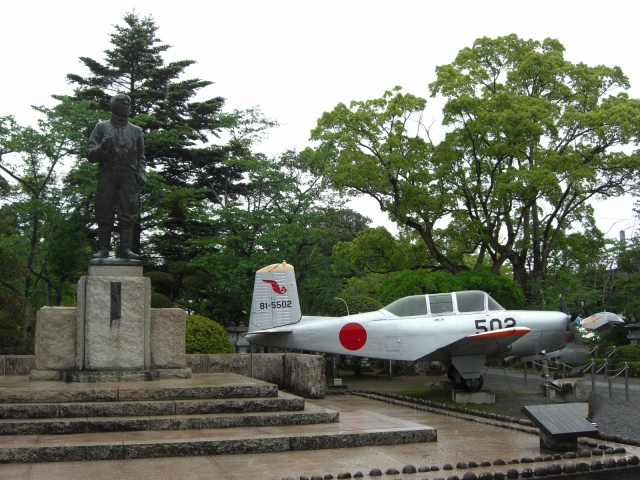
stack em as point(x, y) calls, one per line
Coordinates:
point(469, 384)
point(473, 384)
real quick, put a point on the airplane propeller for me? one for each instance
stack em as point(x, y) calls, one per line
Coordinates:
point(576, 310)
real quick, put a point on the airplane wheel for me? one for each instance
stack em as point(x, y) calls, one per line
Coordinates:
point(473, 384)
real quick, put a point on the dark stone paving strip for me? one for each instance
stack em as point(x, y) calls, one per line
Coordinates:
point(32, 453)
point(29, 410)
point(363, 439)
point(159, 423)
point(61, 453)
point(197, 392)
point(464, 414)
point(30, 395)
point(67, 395)
point(150, 408)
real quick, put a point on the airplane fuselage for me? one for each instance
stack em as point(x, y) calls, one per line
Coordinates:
point(380, 334)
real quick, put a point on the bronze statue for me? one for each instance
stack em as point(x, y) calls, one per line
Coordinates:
point(117, 147)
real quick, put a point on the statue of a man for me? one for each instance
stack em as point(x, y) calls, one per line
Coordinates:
point(118, 148)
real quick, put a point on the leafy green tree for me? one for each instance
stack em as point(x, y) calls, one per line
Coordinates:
point(42, 231)
point(283, 214)
point(375, 250)
point(416, 282)
point(359, 304)
point(532, 138)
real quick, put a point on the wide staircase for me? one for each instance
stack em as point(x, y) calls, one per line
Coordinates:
point(209, 414)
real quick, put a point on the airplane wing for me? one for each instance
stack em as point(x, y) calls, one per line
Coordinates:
point(270, 331)
point(486, 343)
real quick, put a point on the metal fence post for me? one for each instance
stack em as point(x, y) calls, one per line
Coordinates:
point(626, 379)
point(606, 368)
point(548, 388)
point(593, 376)
point(610, 388)
point(525, 372)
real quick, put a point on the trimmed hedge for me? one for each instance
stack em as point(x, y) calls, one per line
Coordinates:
point(634, 367)
point(627, 353)
point(203, 335)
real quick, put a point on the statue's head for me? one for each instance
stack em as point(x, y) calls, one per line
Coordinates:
point(120, 104)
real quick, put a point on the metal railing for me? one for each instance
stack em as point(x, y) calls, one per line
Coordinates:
point(606, 368)
point(609, 375)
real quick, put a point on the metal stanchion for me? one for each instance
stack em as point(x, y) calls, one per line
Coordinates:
point(606, 368)
point(610, 388)
point(547, 386)
point(335, 368)
point(593, 376)
point(626, 379)
point(525, 372)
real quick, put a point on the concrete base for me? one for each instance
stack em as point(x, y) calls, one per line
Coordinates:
point(558, 444)
point(37, 375)
point(446, 386)
point(113, 376)
point(113, 334)
point(110, 376)
point(173, 372)
point(474, 398)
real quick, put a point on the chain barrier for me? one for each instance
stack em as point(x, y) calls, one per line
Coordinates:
point(608, 373)
point(609, 376)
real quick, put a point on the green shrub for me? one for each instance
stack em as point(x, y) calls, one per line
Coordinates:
point(206, 336)
point(634, 367)
point(627, 353)
point(160, 301)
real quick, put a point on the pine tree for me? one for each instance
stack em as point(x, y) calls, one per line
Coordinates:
point(194, 174)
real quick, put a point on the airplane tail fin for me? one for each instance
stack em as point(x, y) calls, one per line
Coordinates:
point(275, 298)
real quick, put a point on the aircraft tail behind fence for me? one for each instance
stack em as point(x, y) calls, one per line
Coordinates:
point(275, 298)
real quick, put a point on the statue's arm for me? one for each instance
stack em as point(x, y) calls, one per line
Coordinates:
point(141, 161)
point(94, 151)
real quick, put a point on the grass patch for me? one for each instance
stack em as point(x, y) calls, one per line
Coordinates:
point(505, 405)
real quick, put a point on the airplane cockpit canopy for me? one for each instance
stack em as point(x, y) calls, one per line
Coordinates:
point(409, 306)
point(443, 303)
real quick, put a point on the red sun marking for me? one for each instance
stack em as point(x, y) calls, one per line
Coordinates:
point(353, 336)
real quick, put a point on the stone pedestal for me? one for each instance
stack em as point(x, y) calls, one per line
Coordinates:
point(114, 320)
point(113, 334)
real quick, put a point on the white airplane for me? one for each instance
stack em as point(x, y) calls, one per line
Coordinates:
point(459, 329)
point(601, 322)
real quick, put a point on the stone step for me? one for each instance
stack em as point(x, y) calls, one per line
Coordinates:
point(310, 414)
point(66, 449)
point(283, 401)
point(205, 386)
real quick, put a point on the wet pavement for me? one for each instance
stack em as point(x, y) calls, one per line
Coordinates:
point(458, 441)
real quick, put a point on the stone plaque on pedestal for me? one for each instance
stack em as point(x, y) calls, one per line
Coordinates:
point(560, 425)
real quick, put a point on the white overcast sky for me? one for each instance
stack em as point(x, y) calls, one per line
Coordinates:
point(298, 59)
